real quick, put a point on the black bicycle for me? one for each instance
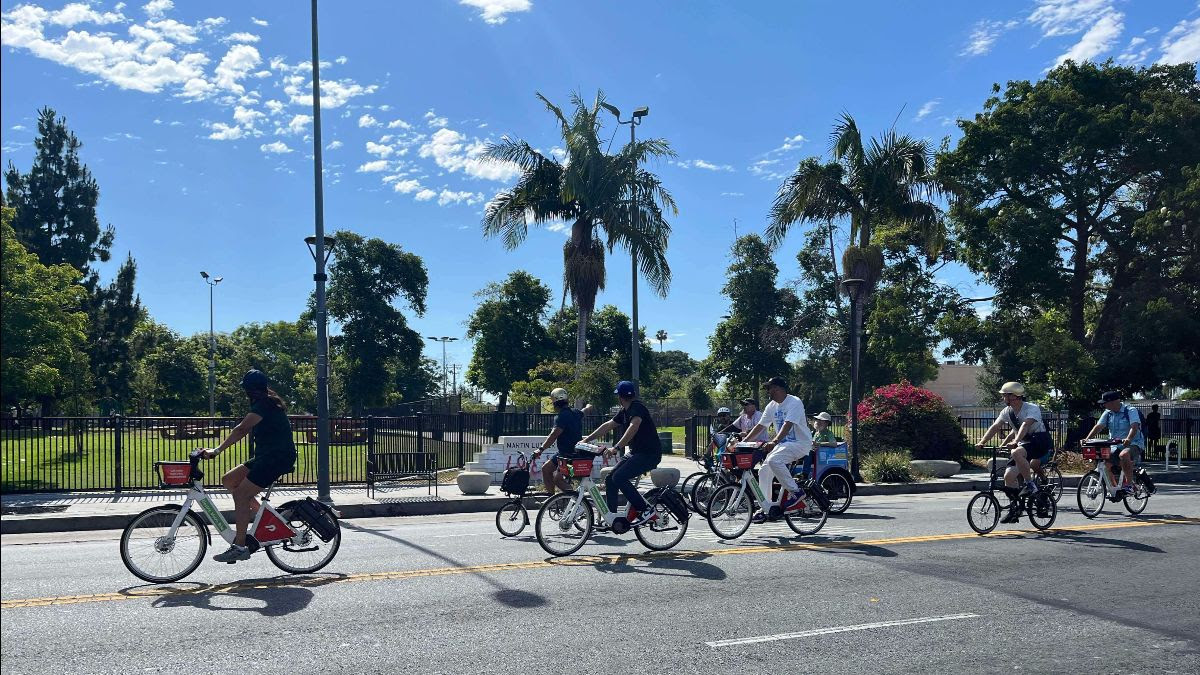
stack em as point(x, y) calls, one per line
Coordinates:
point(984, 509)
point(1049, 477)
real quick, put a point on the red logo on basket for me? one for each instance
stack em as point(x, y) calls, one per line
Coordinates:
point(272, 528)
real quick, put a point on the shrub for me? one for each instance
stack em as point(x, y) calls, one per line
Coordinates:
point(904, 416)
point(888, 467)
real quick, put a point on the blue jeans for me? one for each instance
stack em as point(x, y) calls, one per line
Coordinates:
point(622, 477)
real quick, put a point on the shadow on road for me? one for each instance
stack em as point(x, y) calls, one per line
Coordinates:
point(280, 595)
point(860, 516)
point(666, 564)
point(510, 597)
point(1095, 541)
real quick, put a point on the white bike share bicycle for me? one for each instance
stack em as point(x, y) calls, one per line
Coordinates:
point(166, 543)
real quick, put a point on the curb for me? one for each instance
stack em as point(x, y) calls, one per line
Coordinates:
point(435, 506)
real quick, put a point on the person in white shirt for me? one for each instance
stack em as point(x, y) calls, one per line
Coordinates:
point(750, 416)
point(792, 441)
point(1028, 439)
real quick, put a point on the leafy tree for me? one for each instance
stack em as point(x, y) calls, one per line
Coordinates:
point(365, 279)
point(672, 368)
point(509, 333)
point(115, 311)
point(698, 392)
point(284, 350)
point(608, 339)
point(754, 342)
point(1073, 198)
point(43, 331)
point(170, 376)
point(56, 201)
point(595, 385)
point(540, 381)
point(596, 193)
point(661, 336)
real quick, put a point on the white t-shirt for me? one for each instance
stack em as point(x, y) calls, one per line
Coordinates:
point(791, 409)
point(1028, 411)
point(746, 422)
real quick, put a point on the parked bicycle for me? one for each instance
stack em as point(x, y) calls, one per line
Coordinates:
point(731, 507)
point(984, 510)
point(1095, 487)
point(166, 543)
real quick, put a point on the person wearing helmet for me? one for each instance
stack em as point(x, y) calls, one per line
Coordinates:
point(791, 442)
point(1124, 422)
point(641, 437)
point(274, 455)
point(568, 429)
point(1028, 439)
point(724, 419)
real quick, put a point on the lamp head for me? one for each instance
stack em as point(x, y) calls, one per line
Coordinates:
point(641, 112)
point(612, 109)
point(204, 274)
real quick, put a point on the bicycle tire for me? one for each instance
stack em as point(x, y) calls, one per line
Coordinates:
point(287, 558)
point(702, 492)
point(665, 523)
point(689, 483)
point(840, 492)
point(984, 515)
point(1091, 487)
point(511, 518)
point(809, 519)
point(550, 534)
point(1140, 498)
point(1055, 483)
point(724, 507)
point(159, 518)
point(1042, 509)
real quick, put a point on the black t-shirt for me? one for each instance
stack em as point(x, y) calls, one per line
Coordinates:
point(571, 423)
point(273, 435)
point(645, 440)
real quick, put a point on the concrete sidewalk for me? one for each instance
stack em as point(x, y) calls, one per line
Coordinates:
point(72, 511)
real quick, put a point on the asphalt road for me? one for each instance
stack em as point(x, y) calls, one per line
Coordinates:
point(898, 584)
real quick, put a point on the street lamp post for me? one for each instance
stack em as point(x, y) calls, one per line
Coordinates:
point(212, 346)
point(633, 121)
point(319, 245)
point(854, 288)
point(443, 339)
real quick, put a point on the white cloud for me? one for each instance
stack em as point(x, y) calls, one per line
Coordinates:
point(274, 106)
point(299, 124)
point(733, 194)
point(156, 8)
point(561, 228)
point(400, 124)
point(434, 121)
point(367, 121)
point(410, 185)
point(1182, 43)
point(258, 22)
point(452, 151)
point(226, 132)
point(173, 30)
point(791, 143)
point(297, 84)
point(235, 65)
point(1097, 40)
point(241, 37)
point(496, 11)
point(984, 35)
point(927, 108)
point(380, 149)
point(78, 12)
point(341, 60)
point(278, 147)
point(247, 117)
point(451, 197)
point(334, 145)
point(1068, 17)
point(701, 164)
point(372, 167)
point(425, 195)
point(1132, 55)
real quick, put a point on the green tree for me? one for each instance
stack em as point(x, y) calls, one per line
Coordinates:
point(597, 194)
point(56, 201)
point(608, 339)
point(284, 350)
point(698, 392)
point(754, 342)
point(1073, 198)
point(672, 367)
point(43, 331)
point(509, 331)
point(115, 311)
point(535, 388)
point(365, 279)
point(170, 375)
point(661, 336)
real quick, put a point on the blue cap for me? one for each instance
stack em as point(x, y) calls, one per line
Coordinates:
point(254, 379)
point(626, 388)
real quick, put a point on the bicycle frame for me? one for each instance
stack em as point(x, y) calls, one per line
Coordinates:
point(268, 527)
point(586, 487)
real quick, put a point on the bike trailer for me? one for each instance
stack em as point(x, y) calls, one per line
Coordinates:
point(837, 457)
point(316, 515)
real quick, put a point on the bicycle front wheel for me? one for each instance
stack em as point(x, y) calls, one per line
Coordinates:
point(810, 518)
point(702, 491)
point(983, 513)
point(688, 486)
point(1136, 502)
point(154, 553)
point(728, 513)
point(512, 518)
point(1054, 481)
point(306, 552)
point(1043, 509)
point(1090, 494)
point(665, 531)
point(563, 524)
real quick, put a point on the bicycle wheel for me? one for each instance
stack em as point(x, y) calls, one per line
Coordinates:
point(1090, 494)
point(306, 552)
point(810, 518)
point(1043, 509)
point(1136, 502)
point(563, 525)
point(689, 484)
point(663, 532)
point(702, 492)
point(150, 551)
point(728, 514)
point(1054, 481)
point(837, 486)
point(512, 518)
point(983, 512)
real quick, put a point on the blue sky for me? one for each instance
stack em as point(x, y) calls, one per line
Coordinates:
point(195, 121)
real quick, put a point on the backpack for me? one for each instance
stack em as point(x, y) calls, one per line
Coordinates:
point(516, 481)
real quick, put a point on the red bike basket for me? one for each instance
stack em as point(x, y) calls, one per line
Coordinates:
point(581, 467)
point(1092, 453)
point(176, 473)
point(738, 460)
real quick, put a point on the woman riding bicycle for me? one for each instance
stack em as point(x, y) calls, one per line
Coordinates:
point(274, 456)
point(641, 436)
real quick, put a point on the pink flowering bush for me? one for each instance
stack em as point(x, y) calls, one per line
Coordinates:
point(903, 416)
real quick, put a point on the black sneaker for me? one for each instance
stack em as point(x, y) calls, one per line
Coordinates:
point(1014, 513)
point(233, 554)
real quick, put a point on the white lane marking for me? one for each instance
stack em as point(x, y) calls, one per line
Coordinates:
point(837, 629)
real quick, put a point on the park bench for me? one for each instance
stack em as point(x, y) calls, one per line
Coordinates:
point(397, 467)
point(340, 433)
point(183, 431)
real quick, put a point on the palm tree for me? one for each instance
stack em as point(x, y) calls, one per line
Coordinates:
point(661, 335)
point(594, 192)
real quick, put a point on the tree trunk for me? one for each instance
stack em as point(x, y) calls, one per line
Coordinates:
point(1079, 280)
point(585, 317)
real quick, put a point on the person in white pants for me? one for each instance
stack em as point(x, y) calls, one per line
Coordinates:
point(792, 441)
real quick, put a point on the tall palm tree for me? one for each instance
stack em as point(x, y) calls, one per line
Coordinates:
point(661, 335)
point(595, 193)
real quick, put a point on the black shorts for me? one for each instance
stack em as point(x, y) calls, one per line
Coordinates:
point(1038, 446)
point(266, 469)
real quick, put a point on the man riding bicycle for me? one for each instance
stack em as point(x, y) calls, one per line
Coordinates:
point(641, 437)
point(791, 442)
point(568, 429)
point(1028, 439)
point(1124, 422)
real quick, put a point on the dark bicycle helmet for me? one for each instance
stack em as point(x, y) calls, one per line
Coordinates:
point(254, 379)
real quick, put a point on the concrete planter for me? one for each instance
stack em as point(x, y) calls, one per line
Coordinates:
point(938, 468)
point(665, 477)
point(1001, 462)
point(474, 482)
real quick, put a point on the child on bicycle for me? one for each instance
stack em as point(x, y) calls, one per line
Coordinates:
point(274, 456)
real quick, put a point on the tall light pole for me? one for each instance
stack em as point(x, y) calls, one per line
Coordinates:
point(318, 247)
point(443, 339)
point(854, 288)
point(633, 121)
point(212, 346)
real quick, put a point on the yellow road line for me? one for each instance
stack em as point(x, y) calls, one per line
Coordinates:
point(224, 589)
